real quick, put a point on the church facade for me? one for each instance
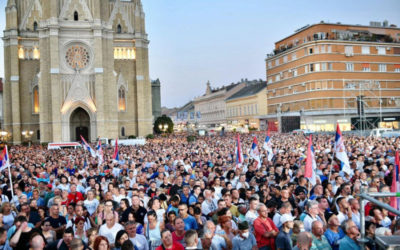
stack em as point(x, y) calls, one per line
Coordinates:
point(76, 68)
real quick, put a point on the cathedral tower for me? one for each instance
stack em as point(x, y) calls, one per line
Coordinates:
point(76, 67)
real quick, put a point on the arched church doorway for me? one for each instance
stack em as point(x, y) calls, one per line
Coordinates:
point(79, 125)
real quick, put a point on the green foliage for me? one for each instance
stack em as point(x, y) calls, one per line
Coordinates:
point(150, 136)
point(191, 138)
point(132, 137)
point(163, 120)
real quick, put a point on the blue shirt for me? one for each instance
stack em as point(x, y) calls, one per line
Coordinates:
point(192, 199)
point(190, 223)
point(333, 238)
point(239, 243)
point(347, 243)
point(283, 241)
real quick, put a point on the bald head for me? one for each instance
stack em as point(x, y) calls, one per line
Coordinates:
point(304, 240)
point(37, 242)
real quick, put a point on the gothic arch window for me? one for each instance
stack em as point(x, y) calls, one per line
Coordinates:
point(121, 99)
point(119, 29)
point(122, 131)
point(35, 93)
point(35, 26)
point(76, 16)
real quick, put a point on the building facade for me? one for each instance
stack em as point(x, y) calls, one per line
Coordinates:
point(325, 74)
point(156, 98)
point(211, 107)
point(245, 107)
point(75, 67)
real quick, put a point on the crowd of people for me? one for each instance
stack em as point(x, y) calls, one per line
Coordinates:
point(175, 194)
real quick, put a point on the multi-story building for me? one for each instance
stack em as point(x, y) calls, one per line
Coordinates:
point(325, 74)
point(185, 117)
point(211, 107)
point(76, 68)
point(244, 108)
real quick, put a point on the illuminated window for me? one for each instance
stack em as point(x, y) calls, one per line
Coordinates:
point(36, 107)
point(124, 53)
point(121, 99)
point(36, 53)
point(21, 53)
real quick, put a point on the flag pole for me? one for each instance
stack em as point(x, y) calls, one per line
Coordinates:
point(9, 175)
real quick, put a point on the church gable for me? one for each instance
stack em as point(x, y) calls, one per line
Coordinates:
point(73, 7)
point(32, 15)
point(119, 16)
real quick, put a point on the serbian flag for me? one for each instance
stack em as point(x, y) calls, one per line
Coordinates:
point(238, 151)
point(99, 153)
point(254, 152)
point(268, 146)
point(340, 152)
point(4, 160)
point(311, 165)
point(116, 152)
point(88, 148)
point(394, 201)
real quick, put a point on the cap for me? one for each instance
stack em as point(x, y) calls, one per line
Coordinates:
point(50, 186)
point(243, 225)
point(285, 218)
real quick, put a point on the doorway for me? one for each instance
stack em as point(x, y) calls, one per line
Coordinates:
point(79, 125)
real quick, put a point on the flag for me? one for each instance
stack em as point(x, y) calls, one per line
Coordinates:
point(99, 153)
point(340, 152)
point(238, 151)
point(255, 153)
point(311, 165)
point(4, 160)
point(88, 148)
point(395, 201)
point(116, 152)
point(268, 146)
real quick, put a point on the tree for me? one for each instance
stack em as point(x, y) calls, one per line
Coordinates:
point(163, 120)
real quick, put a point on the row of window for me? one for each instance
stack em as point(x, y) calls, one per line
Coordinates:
point(126, 53)
point(28, 53)
point(316, 67)
point(250, 109)
point(348, 51)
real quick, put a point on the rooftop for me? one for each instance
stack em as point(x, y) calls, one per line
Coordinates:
point(250, 89)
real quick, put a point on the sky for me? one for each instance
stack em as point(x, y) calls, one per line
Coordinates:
point(224, 41)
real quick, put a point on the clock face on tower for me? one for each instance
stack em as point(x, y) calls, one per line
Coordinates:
point(77, 57)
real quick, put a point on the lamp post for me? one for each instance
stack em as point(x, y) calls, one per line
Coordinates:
point(163, 127)
point(27, 134)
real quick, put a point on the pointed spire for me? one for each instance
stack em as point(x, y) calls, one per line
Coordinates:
point(208, 90)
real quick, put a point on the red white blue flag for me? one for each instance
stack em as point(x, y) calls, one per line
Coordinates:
point(311, 165)
point(395, 201)
point(254, 152)
point(5, 160)
point(340, 152)
point(88, 148)
point(116, 152)
point(268, 146)
point(99, 153)
point(238, 151)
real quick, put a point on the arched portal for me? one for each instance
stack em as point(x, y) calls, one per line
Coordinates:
point(79, 125)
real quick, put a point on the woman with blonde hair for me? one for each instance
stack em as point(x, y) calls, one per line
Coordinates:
point(8, 215)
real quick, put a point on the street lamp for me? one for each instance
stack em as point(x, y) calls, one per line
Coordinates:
point(3, 135)
point(27, 134)
point(162, 127)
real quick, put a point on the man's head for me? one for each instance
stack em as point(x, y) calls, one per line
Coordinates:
point(355, 205)
point(166, 238)
point(312, 207)
point(54, 210)
point(317, 228)
point(351, 229)
point(130, 228)
point(191, 238)
point(221, 204)
point(37, 241)
point(68, 236)
point(304, 240)
point(179, 224)
point(253, 203)
point(333, 221)
point(287, 221)
point(183, 210)
point(110, 220)
point(263, 211)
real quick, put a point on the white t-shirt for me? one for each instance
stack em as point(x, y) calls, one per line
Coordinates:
point(91, 205)
point(251, 217)
point(308, 220)
point(140, 242)
point(110, 233)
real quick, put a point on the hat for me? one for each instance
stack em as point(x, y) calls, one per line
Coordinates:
point(285, 218)
point(50, 186)
point(243, 225)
